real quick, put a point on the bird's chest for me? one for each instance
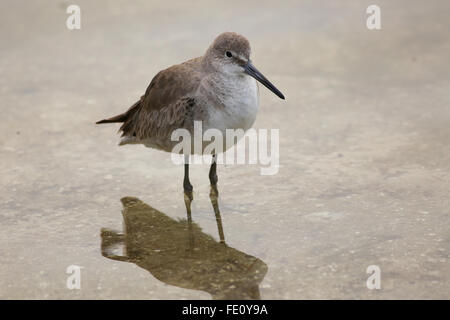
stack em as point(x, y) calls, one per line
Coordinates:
point(234, 105)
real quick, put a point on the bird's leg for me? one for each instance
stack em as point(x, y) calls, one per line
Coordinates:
point(214, 195)
point(213, 175)
point(215, 204)
point(190, 232)
point(187, 186)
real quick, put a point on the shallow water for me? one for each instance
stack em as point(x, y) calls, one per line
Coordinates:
point(364, 155)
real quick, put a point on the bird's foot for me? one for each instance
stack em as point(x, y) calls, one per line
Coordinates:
point(188, 194)
point(188, 197)
point(214, 192)
point(214, 196)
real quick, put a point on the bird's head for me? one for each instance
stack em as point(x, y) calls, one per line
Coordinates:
point(229, 54)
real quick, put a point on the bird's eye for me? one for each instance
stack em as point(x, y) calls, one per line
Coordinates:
point(229, 54)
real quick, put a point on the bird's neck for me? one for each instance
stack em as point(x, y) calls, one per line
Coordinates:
point(229, 84)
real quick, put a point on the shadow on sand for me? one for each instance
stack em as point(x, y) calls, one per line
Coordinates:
point(178, 253)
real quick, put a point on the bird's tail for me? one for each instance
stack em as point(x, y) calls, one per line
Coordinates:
point(119, 118)
point(123, 117)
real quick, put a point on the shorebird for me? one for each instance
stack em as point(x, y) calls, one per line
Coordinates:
point(218, 88)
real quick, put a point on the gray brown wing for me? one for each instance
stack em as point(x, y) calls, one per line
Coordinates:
point(148, 122)
point(171, 84)
point(164, 105)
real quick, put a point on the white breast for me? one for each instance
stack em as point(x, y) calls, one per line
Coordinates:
point(236, 105)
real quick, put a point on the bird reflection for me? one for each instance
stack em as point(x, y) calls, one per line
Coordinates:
point(178, 253)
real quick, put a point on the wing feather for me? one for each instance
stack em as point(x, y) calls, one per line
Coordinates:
point(165, 104)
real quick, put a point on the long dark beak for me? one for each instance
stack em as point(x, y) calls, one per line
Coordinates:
point(251, 70)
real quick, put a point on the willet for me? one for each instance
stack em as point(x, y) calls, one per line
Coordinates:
point(218, 89)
